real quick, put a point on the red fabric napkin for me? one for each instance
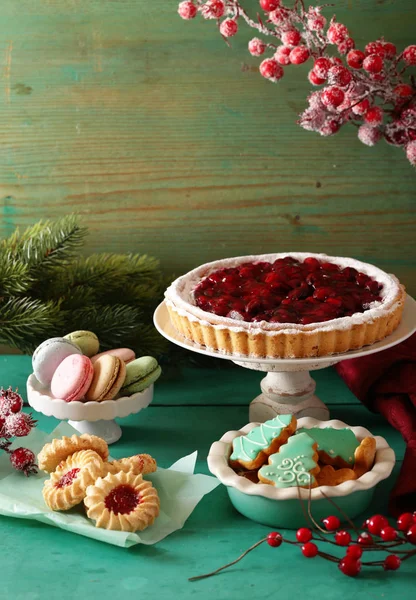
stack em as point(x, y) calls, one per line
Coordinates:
point(386, 383)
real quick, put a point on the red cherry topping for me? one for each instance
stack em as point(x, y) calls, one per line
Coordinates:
point(310, 550)
point(391, 563)
point(342, 538)
point(404, 521)
point(376, 523)
point(411, 535)
point(274, 539)
point(388, 534)
point(365, 539)
point(355, 551)
point(67, 479)
point(349, 566)
point(303, 535)
point(331, 523)
point(122, 499)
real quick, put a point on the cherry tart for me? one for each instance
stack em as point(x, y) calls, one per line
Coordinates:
point(293, 305)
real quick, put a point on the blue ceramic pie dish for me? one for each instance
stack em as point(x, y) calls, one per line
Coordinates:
point(285, 507)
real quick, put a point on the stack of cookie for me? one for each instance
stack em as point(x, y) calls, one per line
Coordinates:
point(279, 454)
point(74, 370)
point(114, 494)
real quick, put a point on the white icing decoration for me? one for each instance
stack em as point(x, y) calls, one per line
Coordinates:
point(294, 471)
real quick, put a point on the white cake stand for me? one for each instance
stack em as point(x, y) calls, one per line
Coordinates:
point(95, 418)
point(288, 386)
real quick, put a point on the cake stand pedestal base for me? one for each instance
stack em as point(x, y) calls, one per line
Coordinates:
point(109, 431)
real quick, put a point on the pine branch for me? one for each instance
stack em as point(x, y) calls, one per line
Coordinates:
point(14, 275)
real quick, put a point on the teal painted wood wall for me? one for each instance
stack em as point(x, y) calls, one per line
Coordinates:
point(168, 142)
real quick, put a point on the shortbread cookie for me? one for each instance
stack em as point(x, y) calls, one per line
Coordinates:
point(122, 502)
point(296, 464)
point(59, 449)
point(67, 486)
point(336, 447)
point(364, 456)
point(330, 476)
point(251, 451)
point(137, 464)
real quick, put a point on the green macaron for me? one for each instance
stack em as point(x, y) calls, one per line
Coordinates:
point(86, 340)
point(140, 374)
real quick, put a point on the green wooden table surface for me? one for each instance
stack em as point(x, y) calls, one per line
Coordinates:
point(188, 412)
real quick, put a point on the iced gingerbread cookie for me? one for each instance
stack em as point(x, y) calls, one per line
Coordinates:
point(364, 456)
point(59, 449)
point(137, 464)
point(336, 447)
point(251, 451)
point(122, 502)
point(330, 476)
point(296, 464)
point(67, 486)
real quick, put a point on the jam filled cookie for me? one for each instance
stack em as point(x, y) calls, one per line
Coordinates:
point(336, 447)
point(296, 464)
point(330, 476)
point(364, 456)
point(251, 451)
point(59, 449)
point(122, 502)
point(67, 486)
point(139, 464)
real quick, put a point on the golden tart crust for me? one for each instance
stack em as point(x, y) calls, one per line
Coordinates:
point(122, 502)
point(284, 340)
point(67, 486)
point(59, 449)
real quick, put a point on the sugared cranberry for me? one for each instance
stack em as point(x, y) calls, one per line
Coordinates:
point(310, 550)
point(338, 75)
point(274, 539)
point(404, 521)
point(374, 116)
point(403, 90)
point(282, 55)
point(299, 55)
point(373, 63)
point(23, 460)
point(291, 37)
point(256, 47)
point(391, 563)
point(316, 22)
point(321, 67)
point(332, 96)
point(19, 424)
point(228, 28)
point(314, 79)
point(336, 33)
point(390, 50)
point(349, 566)
point(278, 16)
point(187, 10)
point(10, 402)
point(346, 45)
point(342, 538)
point(213, 9)
point(375, 48)
point(355, 59)
point(331, 523)
point(271, 70)
point(409, 55)
point(269, 5)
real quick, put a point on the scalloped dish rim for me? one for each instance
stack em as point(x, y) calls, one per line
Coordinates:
point(219, 453)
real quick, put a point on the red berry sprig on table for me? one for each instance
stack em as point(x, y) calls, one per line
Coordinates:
point(352, 561)
point(370, 88)
point(14, 423)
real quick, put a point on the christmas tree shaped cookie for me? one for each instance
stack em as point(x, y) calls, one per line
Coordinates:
point(296, 464)
point(336, 447)
point(251, 451)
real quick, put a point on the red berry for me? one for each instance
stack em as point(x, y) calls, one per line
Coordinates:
point(338, 75)
point(23, 459)
point(404, 521)
point(365, 539)
point(213, 9)
point(408, 117)
point(256, 47)
point(330, 127)
point(331, 523)
point(375, 48)
point(310, 550)
point(321, 67)
point(271, 70)
point(388, 534)
point(282, 55)
point(274, 539)
point(374, 117)
point(409, 55)
point(336, 33)
point(355, 551)
point(187, 10)
point(278, 16)
point(361, 108)
point(314, 79)
point(346, 45)
point(390, 50)
point(316, 22)
point(291, 37)
point(391, 563)
point(10, 402)
point(269, 5)
point(355, 59)
point(303, 535)
point(373, 63)
point(228, 28)
point(369, 135)
point(342, 538)
point(19, 424)
point(299, 55)
point(349, 566)
point(403, 90)
point(332, 96)
point(411, 535)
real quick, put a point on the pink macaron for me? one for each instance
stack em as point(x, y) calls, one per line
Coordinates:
point(72, 378)
point(124, 354)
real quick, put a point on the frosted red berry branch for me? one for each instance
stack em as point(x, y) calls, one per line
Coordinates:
point(390, 538)
point(14, 423)
point(369, 88)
